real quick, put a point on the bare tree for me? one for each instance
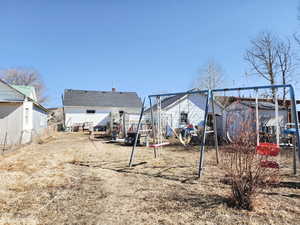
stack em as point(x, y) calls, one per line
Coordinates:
point(210, 76)
point(271, 58)
point(285, 63)
point(297, 38)
point(262, 57)
point(24, 76)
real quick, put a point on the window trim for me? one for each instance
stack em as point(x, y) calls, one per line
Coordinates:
point(186, 119)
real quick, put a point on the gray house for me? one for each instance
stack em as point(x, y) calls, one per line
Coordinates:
point(21, 116)
point(99, 107)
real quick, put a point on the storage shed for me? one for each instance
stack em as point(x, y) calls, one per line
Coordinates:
point(21, 116)
point(242, 111)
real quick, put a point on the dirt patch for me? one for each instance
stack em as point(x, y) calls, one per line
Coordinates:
point(72, 180)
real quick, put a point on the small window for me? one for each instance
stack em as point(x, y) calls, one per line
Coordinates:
point(183, 117)
point(90, 111)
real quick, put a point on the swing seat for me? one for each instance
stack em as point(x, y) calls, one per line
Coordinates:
point(269, 164)
point(268, 149)
point(158, 145)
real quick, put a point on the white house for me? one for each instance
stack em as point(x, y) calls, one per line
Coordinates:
point(181, 110)
point(21, 116)
point(99, 107)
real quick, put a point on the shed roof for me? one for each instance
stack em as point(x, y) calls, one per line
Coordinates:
point(22, 90)
point(28, 91)
point(101, 98)
point(262, 105)
point(228, 100)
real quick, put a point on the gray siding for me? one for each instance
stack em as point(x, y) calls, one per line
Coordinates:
point(11, 122)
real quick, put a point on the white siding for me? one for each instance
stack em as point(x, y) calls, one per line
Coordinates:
point(101, 116)
point(27, 122)
point(195, 112)
point(34, 121)
point(11, 122)
point(19, 120)
point(74, 116)
point(133, 118)
point(194, 106)
point(39, 120)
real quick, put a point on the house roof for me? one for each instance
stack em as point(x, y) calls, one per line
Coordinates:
point(228, 100)
point(261, 105)
point(28, 91)
point(166, 102)
point(101, 98)
point(18, 89)
point(170, 100)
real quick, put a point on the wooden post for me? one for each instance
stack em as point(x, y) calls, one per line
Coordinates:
point(124, 125)
point(4, 143)
point(202, 146)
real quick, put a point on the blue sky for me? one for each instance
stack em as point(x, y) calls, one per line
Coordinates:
point(144, 46)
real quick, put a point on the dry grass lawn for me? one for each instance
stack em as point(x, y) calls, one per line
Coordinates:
point(72, 180)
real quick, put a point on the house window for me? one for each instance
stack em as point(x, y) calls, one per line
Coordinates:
point(90, 111)
point(183, 117)
point(26, 116)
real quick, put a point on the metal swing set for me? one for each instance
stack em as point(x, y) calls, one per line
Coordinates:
point(267, 149)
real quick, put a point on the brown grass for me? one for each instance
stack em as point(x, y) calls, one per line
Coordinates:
point(71, 180)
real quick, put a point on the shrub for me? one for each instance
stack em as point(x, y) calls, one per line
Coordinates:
point(243, 168)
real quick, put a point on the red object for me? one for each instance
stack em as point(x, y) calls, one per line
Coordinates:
point(268, 149)
point(269, 164)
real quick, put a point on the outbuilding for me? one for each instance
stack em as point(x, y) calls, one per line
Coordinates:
point(242, 113)
point(21, 116)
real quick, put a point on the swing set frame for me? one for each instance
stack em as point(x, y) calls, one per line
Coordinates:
point(210, 98)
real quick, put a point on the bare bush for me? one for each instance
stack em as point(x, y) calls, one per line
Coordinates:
point(243, 167)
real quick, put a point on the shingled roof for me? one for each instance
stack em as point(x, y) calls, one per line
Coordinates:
point(262, 105)
point(166, 102)
point(101, 98)
point(228, 100)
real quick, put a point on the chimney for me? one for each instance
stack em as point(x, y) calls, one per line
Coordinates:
point(113, 89)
